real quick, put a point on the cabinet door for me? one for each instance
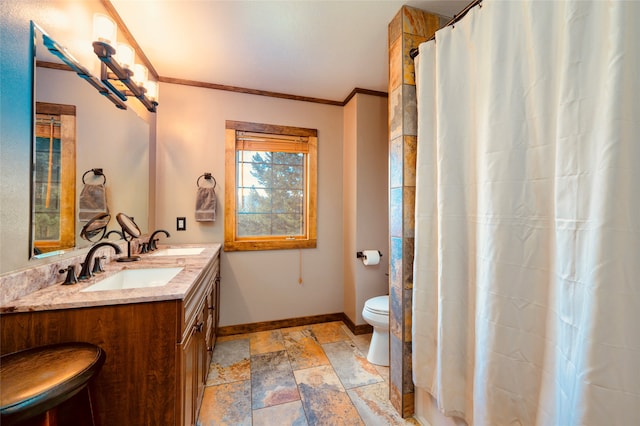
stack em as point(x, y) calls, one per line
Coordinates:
point(189, 387)
point(203, 358)
point(194, 354)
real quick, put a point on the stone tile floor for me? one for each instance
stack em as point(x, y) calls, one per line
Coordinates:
point(310, 375)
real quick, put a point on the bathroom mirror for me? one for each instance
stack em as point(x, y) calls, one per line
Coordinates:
point(107, 138)
point(96, 227)
point(129, 227)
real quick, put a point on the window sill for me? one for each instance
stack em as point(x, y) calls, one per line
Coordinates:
point(255, 245)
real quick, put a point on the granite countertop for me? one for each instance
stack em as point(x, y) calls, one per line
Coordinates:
point(60, 296)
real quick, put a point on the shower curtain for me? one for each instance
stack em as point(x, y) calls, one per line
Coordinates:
point(526, 299)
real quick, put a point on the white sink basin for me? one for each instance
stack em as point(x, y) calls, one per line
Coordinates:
point(135, 278)
point(184, 251)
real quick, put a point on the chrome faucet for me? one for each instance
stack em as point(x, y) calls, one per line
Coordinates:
point(85, 272)
point(152, 240)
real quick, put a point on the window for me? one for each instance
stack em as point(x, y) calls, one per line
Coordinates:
point(54, 174)
point(270, 191)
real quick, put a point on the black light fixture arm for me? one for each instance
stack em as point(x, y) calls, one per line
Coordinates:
point(105, 53)
point(66, 57)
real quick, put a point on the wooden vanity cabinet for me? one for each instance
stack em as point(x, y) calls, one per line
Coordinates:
point(198, 339)
point(158, 353)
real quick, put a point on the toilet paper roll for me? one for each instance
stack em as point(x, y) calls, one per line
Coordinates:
point(371, 257)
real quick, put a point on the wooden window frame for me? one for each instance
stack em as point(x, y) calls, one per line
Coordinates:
point(308, 239)
point(67, 115)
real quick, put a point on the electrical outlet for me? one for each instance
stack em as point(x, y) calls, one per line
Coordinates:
point(181, 223)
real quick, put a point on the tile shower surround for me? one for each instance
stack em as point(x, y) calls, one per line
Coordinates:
point(407, 30)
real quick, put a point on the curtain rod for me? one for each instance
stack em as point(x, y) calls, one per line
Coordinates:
point(415, 51)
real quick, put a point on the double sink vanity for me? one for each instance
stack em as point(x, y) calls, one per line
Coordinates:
point(156, 320)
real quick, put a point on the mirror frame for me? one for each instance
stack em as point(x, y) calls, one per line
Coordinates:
point(95, 226)
point(128, 226)
point(32, 138)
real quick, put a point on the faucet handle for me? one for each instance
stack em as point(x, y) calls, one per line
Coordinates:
point(71, 275)
point(144, 248)
point(97, 264)
point(85, 271)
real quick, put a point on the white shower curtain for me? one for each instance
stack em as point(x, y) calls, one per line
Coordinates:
point(526, 304)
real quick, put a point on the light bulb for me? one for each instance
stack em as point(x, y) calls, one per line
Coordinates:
point(139, 74)
point(104, 29)
point(125, 55)
point(152, 90)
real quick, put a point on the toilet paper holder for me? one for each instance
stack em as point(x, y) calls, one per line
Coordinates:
point(360, 254)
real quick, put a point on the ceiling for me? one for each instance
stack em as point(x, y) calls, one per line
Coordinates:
point(313, 48)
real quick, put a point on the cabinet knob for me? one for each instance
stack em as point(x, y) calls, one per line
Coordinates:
point(198, 327)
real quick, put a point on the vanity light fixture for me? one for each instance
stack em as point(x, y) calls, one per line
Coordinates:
point(119, 73)
point(66, 56)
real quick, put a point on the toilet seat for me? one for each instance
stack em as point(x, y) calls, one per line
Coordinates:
point(378, 305)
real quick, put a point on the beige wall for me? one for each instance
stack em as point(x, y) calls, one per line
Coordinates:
point(15, 137)
point(263, 285)
point(372, 189)
point(365, 186)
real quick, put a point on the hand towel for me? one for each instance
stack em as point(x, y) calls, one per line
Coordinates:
point(206, 204)
point(93, 201)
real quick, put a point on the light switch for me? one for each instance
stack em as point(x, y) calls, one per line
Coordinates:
point(181, 223)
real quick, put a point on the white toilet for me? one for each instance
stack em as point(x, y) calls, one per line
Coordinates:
point(376, 313)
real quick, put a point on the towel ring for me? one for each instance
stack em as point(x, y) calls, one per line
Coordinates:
point(207, 176)
point(97, 172)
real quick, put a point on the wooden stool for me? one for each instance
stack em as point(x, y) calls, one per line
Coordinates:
point(36, 381)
